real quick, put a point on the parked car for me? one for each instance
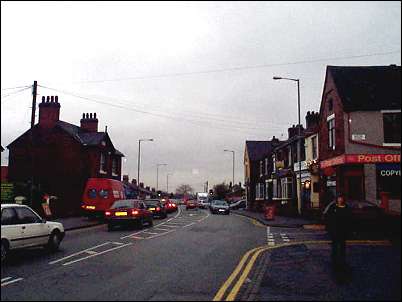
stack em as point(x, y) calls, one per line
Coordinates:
point(100, 194)
point(169, 205)
point(128, 212)
point(22, 227)
point(366, 215)
point(191, 204)
point(219, 207)
point(240, 204)
point(156, 207)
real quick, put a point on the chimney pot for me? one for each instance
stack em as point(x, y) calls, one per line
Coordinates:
point(90, 115)
point(47, 99)
point(95, 115)
point(43, 99)
point(52, 99)
point(83, 115)
point(87, 115)
point(56, 98)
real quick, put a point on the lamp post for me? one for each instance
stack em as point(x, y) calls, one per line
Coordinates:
point(167, 182)
point(233, 164)
point(139, 156)
point(299, 137)
point(157, 174)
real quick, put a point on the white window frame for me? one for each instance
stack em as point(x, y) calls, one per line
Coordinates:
point(286, 194)
point(102, 156)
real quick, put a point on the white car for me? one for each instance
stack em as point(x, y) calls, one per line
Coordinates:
point(22, 227)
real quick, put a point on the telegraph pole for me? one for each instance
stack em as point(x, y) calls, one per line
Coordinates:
point(34, 93)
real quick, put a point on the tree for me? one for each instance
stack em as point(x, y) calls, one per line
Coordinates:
point(184, 189)
point(220, 190)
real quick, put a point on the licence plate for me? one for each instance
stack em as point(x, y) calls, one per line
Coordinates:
point(220, 210)
point(90, 207)
point(152, 209)
point(120, 214)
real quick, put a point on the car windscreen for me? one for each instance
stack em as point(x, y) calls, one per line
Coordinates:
point(219, 203)
point(151, 202)
point(124, 204)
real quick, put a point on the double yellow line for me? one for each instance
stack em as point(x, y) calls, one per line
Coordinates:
point(252, 255)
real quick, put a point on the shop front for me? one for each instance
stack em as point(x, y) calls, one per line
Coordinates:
point(362, 177)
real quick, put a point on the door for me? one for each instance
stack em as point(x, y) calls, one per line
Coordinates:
point(10, 228)
point(34, 231)
point(354, 188)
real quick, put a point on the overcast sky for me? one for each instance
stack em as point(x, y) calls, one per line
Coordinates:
point(194, 76)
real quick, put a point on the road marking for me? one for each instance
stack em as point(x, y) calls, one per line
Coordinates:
point(100, 253)
point(136, 237)
point(75, 254)
point(10, 282)
point(91, 252)
point(239, 283)
point(159, 234)
point(160, 229)
point(5, 279)
point(189, 225)
point(150, 233)
point(228, 282)
point(171, 226)
point(118, 243)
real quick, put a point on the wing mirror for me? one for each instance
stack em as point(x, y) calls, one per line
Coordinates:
point(43, 220)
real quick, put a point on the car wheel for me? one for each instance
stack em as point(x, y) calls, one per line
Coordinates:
point(54, 241)
point(4, 250)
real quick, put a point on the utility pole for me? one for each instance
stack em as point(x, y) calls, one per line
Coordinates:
point(34, 93)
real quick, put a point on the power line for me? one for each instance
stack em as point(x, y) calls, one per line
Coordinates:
point(176, 118)
point(238, 68)
point(26, 86)
point(13, 93)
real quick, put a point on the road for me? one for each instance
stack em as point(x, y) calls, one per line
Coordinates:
point(187, 256)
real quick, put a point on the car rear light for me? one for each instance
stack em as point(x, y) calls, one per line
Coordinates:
point(135, 212)
point(158, 208)
point(108, 213)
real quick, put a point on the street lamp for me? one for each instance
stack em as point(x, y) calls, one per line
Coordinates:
point(299, 136)
point(233, 164)
point(139, 155)
point(157, 174)
point(167, 182)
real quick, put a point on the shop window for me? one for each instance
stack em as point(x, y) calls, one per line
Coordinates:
point(389, 180)
point(286, 186)
point(392, 127)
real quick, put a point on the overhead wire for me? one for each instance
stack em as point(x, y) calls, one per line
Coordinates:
point(26, 86)
point(4, 96)
point(164, 115)
point(179, 74)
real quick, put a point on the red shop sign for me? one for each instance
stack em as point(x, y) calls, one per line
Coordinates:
point(373, 158)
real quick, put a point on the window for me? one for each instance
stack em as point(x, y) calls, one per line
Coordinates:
point(389, 180)
point(314, 147)
point(8, 217)
point(266, 166)
point(392, 127)
point(286, 185)
point(331, 133)
point(26, 215)
point(114, 166)
point(261, 168)
point(102, 163)
point(92, 193)
point(103, 193)
point(330, 104)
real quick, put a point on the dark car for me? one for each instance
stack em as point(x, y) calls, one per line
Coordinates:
point(156, 207)
point(219, 207)
point(366, 215)
point(128, 212)
point(191, 204)
point(169, 205)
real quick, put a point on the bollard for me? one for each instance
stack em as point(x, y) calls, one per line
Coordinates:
point(269, 212)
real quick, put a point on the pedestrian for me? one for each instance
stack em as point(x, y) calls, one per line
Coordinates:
point(338, 225)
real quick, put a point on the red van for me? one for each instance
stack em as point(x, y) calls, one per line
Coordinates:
point(100, 194)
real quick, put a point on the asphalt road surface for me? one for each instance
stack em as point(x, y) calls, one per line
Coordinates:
point(187, 256)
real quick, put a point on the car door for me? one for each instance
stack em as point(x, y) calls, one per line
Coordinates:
point(34, 231)
point(10, 228)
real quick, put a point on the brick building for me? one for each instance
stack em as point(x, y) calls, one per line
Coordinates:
point(360, 133)
point(62, 156)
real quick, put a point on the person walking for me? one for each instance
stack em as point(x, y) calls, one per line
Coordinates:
point(338, 226)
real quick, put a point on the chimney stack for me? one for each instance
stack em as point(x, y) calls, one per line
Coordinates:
point(89, 122)
point(312, 119)
point(49, 112)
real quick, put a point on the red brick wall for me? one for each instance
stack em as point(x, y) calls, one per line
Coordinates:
point(330, 92)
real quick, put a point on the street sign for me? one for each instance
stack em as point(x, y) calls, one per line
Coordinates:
point(7, 192)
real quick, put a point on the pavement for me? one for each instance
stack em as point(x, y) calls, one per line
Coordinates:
point(302, 272)
point(74, 223)
point(281, 221)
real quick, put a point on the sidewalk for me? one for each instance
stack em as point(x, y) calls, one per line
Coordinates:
point(73, 223)
point(303, 272)
point(280, 221)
